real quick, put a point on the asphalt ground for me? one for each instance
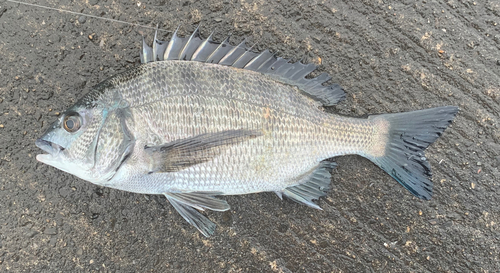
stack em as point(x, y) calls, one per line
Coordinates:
point(390, 56)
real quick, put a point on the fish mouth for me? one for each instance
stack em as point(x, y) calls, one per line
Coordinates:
point(51, 148)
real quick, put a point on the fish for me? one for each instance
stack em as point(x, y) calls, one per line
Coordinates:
point(199, 119)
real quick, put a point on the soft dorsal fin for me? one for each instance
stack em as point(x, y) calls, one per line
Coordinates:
point(195, 48)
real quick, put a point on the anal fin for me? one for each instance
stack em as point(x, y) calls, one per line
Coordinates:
point(187, 204)
point(312, 186)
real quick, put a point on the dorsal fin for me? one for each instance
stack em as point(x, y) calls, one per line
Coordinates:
point(195, 48)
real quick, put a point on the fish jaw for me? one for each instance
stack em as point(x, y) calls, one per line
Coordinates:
point(56, 158)
point(54, 155)
point(53, 151)
point(50, 147)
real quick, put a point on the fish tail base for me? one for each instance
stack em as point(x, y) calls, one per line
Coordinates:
point(407, 136)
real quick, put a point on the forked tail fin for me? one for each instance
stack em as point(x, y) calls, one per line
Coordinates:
point(408, 135)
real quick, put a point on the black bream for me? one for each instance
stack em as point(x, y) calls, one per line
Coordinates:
point(200, 118)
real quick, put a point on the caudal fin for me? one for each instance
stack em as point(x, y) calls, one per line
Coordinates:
point(409, 134)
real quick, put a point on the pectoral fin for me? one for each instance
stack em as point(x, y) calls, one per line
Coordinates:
point(184, 153)
point(187, 203)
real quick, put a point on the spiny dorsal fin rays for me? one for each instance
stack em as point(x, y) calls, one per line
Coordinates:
point(220, 51)
point(256, 63)
point(192, 44)
point(174, 46)
point(233, 54)
point(195, 48)
point(206, 48)
point(245, 58)
point(146, 52)
point(158, 47)
point(155, 45)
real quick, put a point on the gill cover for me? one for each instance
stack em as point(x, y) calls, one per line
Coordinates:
point(114, 145)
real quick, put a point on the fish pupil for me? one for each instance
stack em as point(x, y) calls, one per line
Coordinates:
point(70, 124)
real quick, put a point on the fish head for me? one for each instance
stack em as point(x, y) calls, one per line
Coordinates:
point(70, 142)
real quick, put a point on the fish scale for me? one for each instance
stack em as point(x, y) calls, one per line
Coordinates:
point(200, 118)
point(292, 129)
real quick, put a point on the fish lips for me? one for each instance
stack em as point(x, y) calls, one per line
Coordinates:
point(51, 148)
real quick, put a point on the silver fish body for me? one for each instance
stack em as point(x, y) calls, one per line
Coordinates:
point(193, 129)
point(186, 99)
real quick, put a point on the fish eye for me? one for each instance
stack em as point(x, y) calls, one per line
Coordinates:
point(72, 122)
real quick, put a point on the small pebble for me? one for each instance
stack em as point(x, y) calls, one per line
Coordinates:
point(323, 244)
point(82, 19)
point(50, 231)
point(32, 234)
